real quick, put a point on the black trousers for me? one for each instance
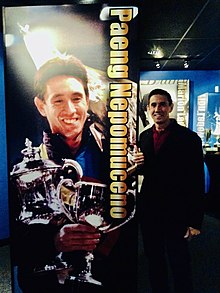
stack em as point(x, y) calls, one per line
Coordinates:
point(164, 243)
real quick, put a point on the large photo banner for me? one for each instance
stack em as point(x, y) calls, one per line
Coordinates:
point(71, 76)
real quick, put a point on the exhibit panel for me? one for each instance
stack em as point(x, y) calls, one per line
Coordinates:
point(69, 149)
point(208, 128)
point(208, 119)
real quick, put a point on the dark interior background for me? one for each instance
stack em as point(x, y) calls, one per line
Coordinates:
point(184, 30)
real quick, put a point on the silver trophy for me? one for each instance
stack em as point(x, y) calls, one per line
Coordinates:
point(87, 202)
point(34, 181)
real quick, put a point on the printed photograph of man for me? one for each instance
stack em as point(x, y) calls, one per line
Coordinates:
point(63, 148)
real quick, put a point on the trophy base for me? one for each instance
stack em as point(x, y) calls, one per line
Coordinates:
point(85, 278)
point(54, 267)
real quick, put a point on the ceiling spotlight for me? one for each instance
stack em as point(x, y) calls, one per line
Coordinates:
point(156, 52)
point(186, 64)
point(157, 64)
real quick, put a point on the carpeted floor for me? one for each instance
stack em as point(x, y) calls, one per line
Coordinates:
point(5, 270)
point(205, 251)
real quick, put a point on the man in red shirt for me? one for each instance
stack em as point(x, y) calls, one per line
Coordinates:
point(171, 196)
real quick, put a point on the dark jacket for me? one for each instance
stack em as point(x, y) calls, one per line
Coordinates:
point(92, 154)
point(174, 177)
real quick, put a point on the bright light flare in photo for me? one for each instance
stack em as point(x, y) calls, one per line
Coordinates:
point(40, 43)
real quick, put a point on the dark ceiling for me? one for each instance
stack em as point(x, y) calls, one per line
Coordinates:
point(181, 31)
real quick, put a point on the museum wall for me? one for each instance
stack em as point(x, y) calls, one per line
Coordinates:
point(4, 218)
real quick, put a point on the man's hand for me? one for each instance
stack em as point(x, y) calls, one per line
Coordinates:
point(138, 158)
point(191, 232)
point(77, 237)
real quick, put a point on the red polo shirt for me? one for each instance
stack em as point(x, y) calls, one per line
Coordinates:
point(160, 137)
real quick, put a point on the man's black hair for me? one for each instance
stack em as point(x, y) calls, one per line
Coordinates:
point(162, 93)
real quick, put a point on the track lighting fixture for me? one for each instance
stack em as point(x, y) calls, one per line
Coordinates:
point(186, 64)
point(157, 64)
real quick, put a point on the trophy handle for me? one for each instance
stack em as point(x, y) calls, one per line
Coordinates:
point(69, 166)
point(67, 191)
point(67, 194)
